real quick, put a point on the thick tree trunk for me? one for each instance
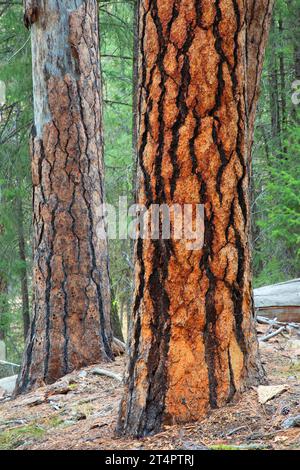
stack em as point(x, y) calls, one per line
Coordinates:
point(71, 324)
point(193, 342)
point(23, 270)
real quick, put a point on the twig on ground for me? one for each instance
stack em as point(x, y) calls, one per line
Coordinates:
point(273, 334)
point(235, 430)
point(274, 322)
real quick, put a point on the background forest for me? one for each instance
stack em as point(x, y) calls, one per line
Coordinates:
point(276, 157)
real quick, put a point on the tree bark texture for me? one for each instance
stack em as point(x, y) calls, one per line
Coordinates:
point(23, 270)
point(193, 344)
point(71, 324)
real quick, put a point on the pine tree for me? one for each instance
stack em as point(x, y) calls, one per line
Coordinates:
point(71, 324)
point(194, 342)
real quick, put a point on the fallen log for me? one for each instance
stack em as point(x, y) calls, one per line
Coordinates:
point(107, 373)
point(9, 363)
point(118, 347)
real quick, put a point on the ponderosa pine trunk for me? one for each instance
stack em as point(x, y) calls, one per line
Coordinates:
point(71, 324)
point(194, 343)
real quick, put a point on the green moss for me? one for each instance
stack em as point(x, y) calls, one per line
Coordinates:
point(223, 447)
point(295, 367)
point(240, 447)
point(53, 422)
point(72, 386)
point(13, 438)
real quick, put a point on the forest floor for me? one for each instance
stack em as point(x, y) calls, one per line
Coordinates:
point(80, 412)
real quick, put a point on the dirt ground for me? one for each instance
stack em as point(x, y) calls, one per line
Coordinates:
point(80, 412)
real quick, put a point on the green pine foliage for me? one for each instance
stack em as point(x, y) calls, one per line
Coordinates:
point(15, 179)
point(276, 156)
point(116, 24)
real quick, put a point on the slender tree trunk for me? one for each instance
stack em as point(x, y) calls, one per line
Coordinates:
point(71, 324)
point(273, 91)
point(135, 94)
point(128, 319)
point(115, 320)
point(258, 18)
point(193, 342)
point(122, 313)
point(294, 11)
point(295, 110)
point(274, 94)
point(282, 78)
point(297, 62)
point(23, 271)
point(135, 117)
point(283, 108)
point(258, 22)
point(3, 289)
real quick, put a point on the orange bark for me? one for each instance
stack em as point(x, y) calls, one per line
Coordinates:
point(194, 344)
